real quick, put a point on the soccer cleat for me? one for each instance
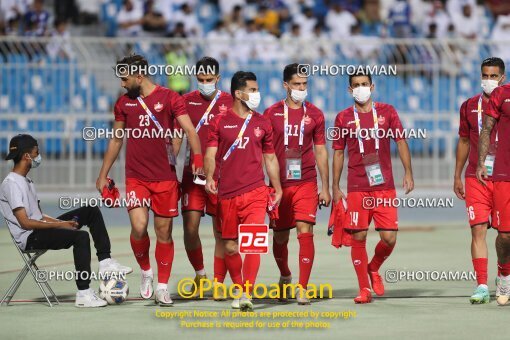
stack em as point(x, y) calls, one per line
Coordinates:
point(498, 286)
point(377, 283)
point(218, 293)
point(197, 280)
point(481, 295)
point(88, 299)
point(504, 291)
point(146, 289)
point(113, 266)
point(236, 303)
point(245, 304)
point(301, 297)
point(163, 298)
point(284, 280)
point(364, 296)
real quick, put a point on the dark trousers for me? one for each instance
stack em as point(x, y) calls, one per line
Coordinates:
point(59, 238)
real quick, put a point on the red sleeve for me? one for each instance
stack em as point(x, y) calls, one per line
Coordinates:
point(336, 135)
point(213, 134)
point(319, 137)
point(267, 142)
point(464, 124)
point(396, 125)
point(120, 116)
point(495, 101)
point(177, 105)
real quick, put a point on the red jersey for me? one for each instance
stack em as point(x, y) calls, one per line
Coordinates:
point(499, 108)
point(242, 171)
point(147, 158)
point(469, 128)
point(196, 105)
point(388, 120)
point(314, 128)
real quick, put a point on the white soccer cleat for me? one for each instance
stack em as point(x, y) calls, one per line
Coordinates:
point(245, 304)
point(301, 297)
point(163, 298)
point(146, 289)
point(504, 291)
point(113, 266)
point(236, 302)
point(88, 299)
point(498, 286)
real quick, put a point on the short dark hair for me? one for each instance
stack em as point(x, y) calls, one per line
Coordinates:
point(239, 80)
point(23, 151)
point(494, 61)
point(134, 59)
point(208, 63)
point(360, 73)
point(289, 71)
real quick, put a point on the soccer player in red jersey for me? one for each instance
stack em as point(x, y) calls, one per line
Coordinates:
point(243, 139)
point(479, 198)
point(150, 166)
point(202, 106)
point(369, 178)
point(298, 128)
point(498, 111)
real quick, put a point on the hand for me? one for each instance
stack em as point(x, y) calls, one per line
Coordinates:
point(337, 195)
point(408, 183)
point(210, 186)
point(278, 196)
point(101, 182)
point(325, 197)
point(197, 171)
point(458, 188)
point(68, 225)
point(481, 173)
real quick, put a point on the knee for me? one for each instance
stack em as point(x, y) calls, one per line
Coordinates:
point(360, 236)
point(138, 233)
point(390, 241)
point(281, 237)
point(230, 248)
point(82, 237)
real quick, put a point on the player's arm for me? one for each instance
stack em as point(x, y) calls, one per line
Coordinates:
point(483, 148)
point(114, 147)
point(209, 168)
point(460, 160)
point(46, 218)
point(30, 224)
point(194, 142)
point(405, 158)
point(273, 172)
point(338, 166)
point(321, 157)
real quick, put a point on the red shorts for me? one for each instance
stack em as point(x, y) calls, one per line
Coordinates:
point(360, 211)
point(502, 206)
point(479, 202)
point(163, 196)
point(249, 207)
point(299, 203)
point(195, 198)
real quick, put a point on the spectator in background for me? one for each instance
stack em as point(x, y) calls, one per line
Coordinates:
point(66, 9)
point(291, 44)
point(370, 18)
point(467, 25)
point(188, 17)
point(454, 7)
point(234, 21)
point(319, 47)
point(36, 19)
point(153, 21)
point(498, 7)
point(360, 47)
point(439, 17)
point(501, 32)
point(60, 44)
point(352, 6)
point(306, 20)
point(268, 19)
point(176, 56)
point(178, 31)
point(399, 19)
point(218, 41)
point(227, 6)
point(13, 9)
point(129, 19)
point(340, 21)
point(243, 50)
point(89, 11)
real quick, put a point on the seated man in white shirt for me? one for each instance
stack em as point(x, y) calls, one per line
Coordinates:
point(32, 229)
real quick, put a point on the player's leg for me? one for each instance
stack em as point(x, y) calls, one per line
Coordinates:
point(220, 268)
point(503, 252)
point(93, 219)
point(140, 244)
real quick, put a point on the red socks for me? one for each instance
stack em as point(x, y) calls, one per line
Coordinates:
point(382, 251)
point(234, 264)
point(306, 257)
point(164, 259)
point(251, 265)
point(281, 256)
point(480, 266)
point(359, 260)
point(220, 269)
point(141, 251)
point(504, 268)
point(196, 258)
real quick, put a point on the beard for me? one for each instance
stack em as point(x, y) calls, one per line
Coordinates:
point(133, 92)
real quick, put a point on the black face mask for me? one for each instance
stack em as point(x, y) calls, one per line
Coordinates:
point(133, 92)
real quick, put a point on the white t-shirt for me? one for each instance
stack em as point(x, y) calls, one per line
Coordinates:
point(17, 191)
point(341, 23)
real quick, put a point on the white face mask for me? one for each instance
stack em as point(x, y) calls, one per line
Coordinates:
point(361, 94)
point(298, 96)
point(488, 85)
point(206, 89)
point(36, 161)
point(253, 100)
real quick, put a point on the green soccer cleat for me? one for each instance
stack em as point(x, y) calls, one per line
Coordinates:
point(481, 295)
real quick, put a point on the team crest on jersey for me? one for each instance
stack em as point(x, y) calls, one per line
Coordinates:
point(257, 131)
point(222, 108)
point(158, 107)
point(307, 120)
point(381, 120)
